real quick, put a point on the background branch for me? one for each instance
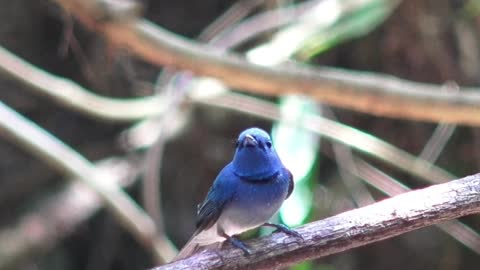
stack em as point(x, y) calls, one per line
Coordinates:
point(334, 131)
point(59, 155)
point(79, 98)
point(58, 216)
point(386, 184)
point(366, 92)
point(71, 94)
point(379, 221)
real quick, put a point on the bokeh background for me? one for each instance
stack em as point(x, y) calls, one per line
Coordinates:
point(420, 40)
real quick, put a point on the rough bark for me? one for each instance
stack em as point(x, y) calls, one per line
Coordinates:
point(379, 221)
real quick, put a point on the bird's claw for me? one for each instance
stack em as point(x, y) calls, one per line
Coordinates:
point(285, 230)
point(239, 244)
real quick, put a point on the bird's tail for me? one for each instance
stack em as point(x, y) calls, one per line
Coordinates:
point(197, 243)
point(191, 247)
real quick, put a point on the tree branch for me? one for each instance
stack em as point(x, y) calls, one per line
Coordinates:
point(379, 221)
point(58, 216)
point(51, 150)
point(75, 96)
point(362, 91)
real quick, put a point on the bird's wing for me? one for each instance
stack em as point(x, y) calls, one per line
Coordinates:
point(219, 195)
point(210, 210)
point(290, 182)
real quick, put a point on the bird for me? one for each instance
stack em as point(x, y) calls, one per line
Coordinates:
point(247, 192)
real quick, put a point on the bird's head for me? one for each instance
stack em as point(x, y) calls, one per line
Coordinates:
point(255, 157)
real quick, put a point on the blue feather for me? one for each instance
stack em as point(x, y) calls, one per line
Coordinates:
point(245, 194)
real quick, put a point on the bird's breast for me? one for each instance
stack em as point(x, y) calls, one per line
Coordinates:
point(253, 204)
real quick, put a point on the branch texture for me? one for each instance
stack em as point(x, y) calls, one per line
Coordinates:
point(381, 220)
point(362, 91)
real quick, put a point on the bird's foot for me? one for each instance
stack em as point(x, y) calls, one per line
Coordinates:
point(284, 229)
point(238, 244)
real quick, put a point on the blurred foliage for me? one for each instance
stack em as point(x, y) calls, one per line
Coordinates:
point(414, 39)
point(298, 149)
point(348, 20)
point(472, 8)
point(348, 25)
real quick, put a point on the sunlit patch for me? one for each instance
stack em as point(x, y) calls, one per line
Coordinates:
point(298, 149)
point(279, 49)
point(325, 13)
point(286, 42)
point(296, 209)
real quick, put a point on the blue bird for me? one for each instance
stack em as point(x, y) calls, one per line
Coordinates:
point(246, 194)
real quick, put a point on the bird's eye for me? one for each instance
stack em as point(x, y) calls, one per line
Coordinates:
point(269, 144)
point(237, 143)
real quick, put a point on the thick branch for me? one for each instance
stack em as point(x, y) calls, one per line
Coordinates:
point(366, 92)
point(382, 220)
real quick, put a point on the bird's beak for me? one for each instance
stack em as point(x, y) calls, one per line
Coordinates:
point(249, 140)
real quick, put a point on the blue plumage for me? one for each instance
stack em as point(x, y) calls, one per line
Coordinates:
point(245, 194)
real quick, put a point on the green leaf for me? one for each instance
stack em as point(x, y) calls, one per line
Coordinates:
point(298, 150)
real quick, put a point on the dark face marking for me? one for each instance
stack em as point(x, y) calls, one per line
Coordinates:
point(260, 144)
point(253, 140)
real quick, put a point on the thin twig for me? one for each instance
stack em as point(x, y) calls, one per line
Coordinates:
point(379, 221)
point(366, 92)
point(347, 169)
point(437, 142)
point(70, 42)
point(154, 156)
point(260, 23)
point(230, 17)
